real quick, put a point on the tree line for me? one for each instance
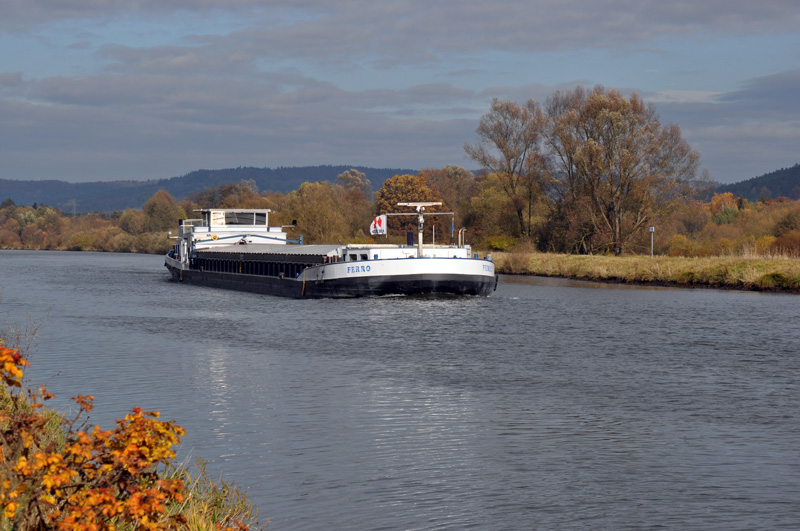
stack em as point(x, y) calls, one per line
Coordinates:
point(329, 212)
point(587, 171)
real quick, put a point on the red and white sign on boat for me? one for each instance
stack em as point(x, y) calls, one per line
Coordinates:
point(378, 225)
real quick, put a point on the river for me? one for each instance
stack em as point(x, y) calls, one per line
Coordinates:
point(552, 404)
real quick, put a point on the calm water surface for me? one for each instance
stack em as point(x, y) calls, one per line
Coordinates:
point(550, 405)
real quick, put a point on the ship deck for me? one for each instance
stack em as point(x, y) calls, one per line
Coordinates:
point(272, 252)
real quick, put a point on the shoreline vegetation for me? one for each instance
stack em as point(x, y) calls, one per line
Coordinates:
point(61, 473)
point(718, 272)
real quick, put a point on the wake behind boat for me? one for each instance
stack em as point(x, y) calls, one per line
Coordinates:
point(237, 249)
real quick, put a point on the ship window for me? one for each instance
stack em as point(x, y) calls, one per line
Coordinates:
point(364, 257)
point(238, 218)
point(353, 257)
point(245, 218)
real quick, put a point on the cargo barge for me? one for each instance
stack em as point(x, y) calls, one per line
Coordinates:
point(237, 249)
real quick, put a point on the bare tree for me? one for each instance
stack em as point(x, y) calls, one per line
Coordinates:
point(509, 146)
point(353, 178)
point(614, 151)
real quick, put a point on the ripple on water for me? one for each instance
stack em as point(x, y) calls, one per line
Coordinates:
point(551, 404)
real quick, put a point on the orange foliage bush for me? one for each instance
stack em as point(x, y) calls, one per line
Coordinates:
point(96, 480)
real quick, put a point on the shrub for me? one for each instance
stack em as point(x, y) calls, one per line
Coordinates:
point(787, 244)
point(53, 475)
point(725, 247)
point(120, 243)
point(764, 244)
point(680, 245)
point(500, 243)
point(79, 241)
point(787, 223)
point(133, 222)
point(152, 243)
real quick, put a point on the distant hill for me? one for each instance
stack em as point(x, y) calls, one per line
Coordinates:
point(119, 195)
point(780, 183)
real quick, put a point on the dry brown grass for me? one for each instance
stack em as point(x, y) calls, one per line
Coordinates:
point(771, 274)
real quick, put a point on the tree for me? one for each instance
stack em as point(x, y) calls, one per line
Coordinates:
point(490, 215)
point(163, 212)
point(614, 151)
point(243, 194)
point(10, 234)
point(403, 189)
point(454, 186)
point(133, 222)
point(509, 141)
point(319, 211)
point(207, 198)
point(722, 202)
point(354, 179)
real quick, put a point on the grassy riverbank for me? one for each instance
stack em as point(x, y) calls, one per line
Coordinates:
point(762, 274)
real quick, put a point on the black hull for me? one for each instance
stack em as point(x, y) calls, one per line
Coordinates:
point(376, 286)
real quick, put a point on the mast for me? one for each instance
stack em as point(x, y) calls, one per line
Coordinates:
point(420, 207)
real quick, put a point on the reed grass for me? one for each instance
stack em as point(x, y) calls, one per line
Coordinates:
point(744, 273)
point(210, 504)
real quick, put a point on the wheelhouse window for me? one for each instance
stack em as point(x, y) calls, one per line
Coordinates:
point(245, 218)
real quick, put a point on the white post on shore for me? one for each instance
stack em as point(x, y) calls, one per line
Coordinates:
point(652, 230)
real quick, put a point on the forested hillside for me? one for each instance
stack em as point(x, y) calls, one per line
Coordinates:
point(119, 195)
point(780, 183)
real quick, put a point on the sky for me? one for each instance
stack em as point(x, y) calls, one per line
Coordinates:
point(102, 90)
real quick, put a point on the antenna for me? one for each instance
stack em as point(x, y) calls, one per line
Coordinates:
point(420, 207)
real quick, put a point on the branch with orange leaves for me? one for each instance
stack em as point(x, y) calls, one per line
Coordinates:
point(90, 480)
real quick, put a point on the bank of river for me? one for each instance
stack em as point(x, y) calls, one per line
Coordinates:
point(757, 274)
